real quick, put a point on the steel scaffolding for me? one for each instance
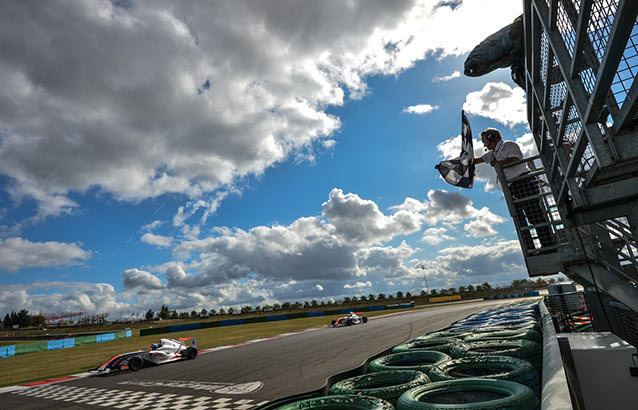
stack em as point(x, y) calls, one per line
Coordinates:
point(576, 212)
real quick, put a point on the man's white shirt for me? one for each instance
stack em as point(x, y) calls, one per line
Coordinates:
point(504, 150)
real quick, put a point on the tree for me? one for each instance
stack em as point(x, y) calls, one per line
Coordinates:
point(286, 306)
point(314, 303)
point(381, 296)
point(221, 311)
point(213, 312)
point(371, 297)
point(399, 295)
point(364, 298)
point(408, 295)
point(38, 320)
point(306, 304)
point(434, 292)
point(164, 312)
point(390, 296)
point(194, 314)
point(203, 313)
point(183, 315)
point(149, 315)
point(174, 314)
point(486, 286)
point(246, 309)
point(354, 299)
point(230, 310)
point(423, 293)
point(451, 291)
point(346, 300)
point(276, 306)
point(470, 288)
point(462, 289)
point(7, 321)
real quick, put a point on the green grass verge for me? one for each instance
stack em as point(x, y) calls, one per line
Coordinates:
point(56, 363)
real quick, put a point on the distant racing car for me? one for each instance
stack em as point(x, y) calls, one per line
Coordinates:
point(167, 350)
point(352, 319)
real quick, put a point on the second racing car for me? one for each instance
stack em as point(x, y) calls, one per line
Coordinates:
point(352, 319)
point(166, 351)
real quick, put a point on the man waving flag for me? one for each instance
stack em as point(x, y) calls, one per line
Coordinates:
point(460, 171)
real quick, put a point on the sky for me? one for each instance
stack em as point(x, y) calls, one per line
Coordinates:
point(209, 154)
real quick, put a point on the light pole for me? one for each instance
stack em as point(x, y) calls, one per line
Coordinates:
point(425, 279)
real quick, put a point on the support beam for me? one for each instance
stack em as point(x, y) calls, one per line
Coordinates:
point(581, 36)
point(628, 111)
point(621, 29)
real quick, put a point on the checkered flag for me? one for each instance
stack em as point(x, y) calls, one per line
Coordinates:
point(460, 171)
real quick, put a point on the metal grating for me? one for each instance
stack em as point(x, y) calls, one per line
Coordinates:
point(544, 55)
point(565, 28)
point(611, 316)
point(627, 69)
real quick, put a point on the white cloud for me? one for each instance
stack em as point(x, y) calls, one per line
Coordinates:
point(167, 97)
point(484, 223)
point(49, 297)
point(157, 240)
point(455, 74)
point(319, 287)
point(358, 285)
point(133, 278)
point(498, 260)
point(499, 102)
point(17, 253)
point(435, 236)
point(152, 226)
point(420, 109)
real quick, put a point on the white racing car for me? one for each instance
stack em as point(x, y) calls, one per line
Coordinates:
point(352, 319)
point(168, 350)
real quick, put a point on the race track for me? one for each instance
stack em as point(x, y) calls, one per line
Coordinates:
point(243, 376)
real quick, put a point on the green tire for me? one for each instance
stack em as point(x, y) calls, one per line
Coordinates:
point(527, 334)
point(488, 367)
point(469, 394)
point(440, 344)
point(388, 385)
point(421, 360)
point(520, 349)
point(348, 402)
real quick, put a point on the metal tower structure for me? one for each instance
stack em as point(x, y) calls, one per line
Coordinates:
point(576, 212)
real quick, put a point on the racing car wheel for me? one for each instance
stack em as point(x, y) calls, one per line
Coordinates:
point(135, 363)
point(191, 353)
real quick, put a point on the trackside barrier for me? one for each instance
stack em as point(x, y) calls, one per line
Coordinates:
point(555, 390)
point(262, 319)
point(15, 350)
point(513, 295)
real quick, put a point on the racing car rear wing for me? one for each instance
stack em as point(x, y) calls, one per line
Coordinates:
point(186, 339)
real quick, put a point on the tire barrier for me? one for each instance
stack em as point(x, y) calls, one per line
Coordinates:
point(388, 385)
point(488, 367)
point(480, 380)
point(442, 344)
point(520, 349)
point(421, 360)
point(469, 394)
point(264, 319)
point(526, 334)
point(25, 348)
point(347, 402)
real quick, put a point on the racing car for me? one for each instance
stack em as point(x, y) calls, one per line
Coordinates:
point(352, 319)
point(167, 350)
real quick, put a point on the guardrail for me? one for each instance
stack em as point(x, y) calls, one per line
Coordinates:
point(263, 319)
point(25, 348)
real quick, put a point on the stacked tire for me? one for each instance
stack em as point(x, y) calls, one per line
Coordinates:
point(489, 360)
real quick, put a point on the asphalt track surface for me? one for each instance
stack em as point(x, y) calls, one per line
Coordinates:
point(245, 376)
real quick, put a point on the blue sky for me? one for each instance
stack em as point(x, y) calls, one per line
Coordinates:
point(169, 157)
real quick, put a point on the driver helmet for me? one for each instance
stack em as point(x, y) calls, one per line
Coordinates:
point(154, 346)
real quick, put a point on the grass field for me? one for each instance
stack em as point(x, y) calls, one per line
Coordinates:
point(55, 363)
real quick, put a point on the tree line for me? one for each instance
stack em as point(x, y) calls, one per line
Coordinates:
point(23, 319)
